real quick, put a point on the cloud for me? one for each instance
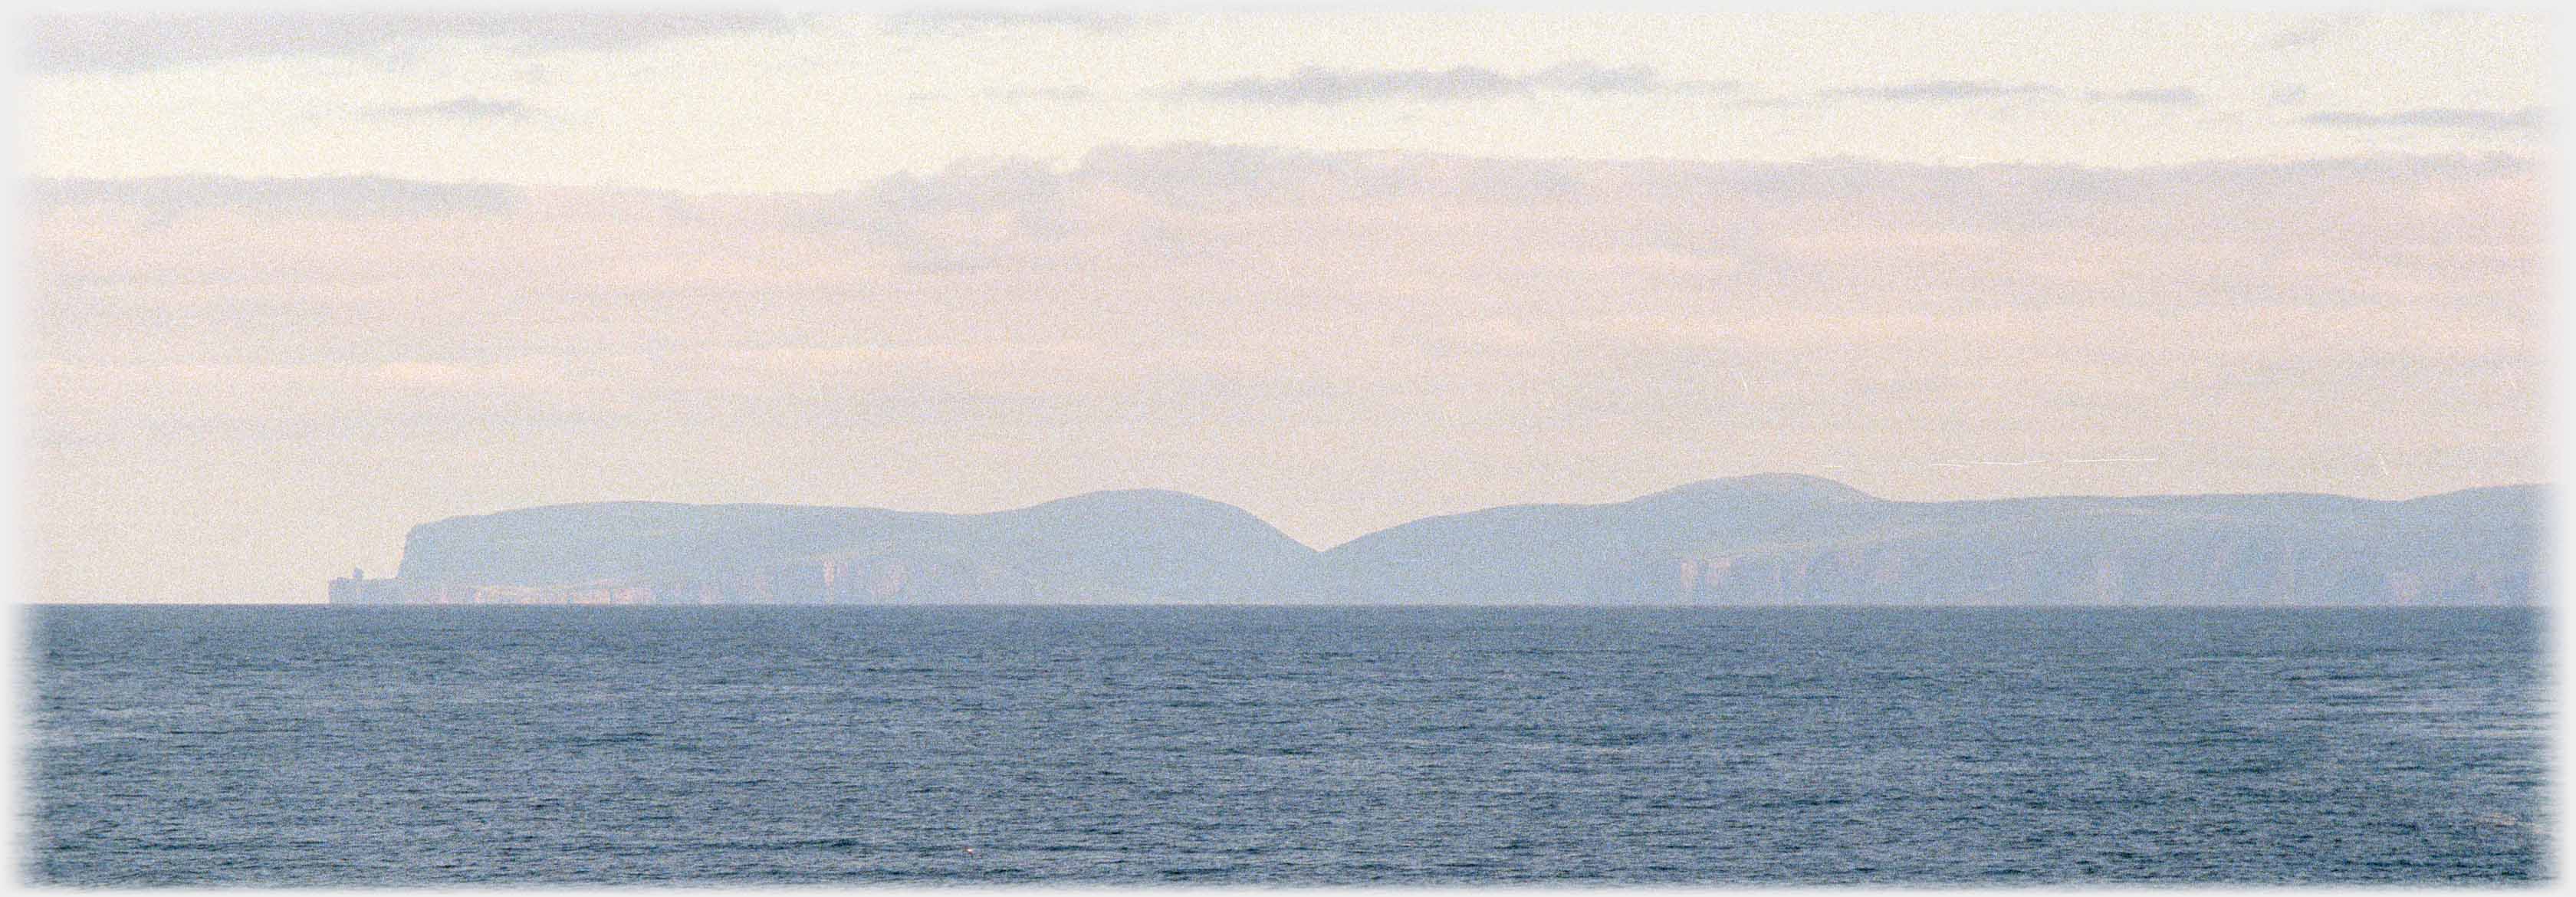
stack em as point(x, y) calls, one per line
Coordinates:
point(2162, 96)
point(1591, 77)
point(2301, 35)
point(1947, 91)
point(1315, 85)
point(1964, 91)
point(466, 108)
point(129, 42)
point(2526, 119)
point(954, 22)
point(339, 197)
point(1065, 93)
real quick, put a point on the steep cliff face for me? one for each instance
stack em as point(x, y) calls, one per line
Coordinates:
point(2124, 555)
point(1139, 545)
point(1797, 540)
point(1774, 539)
point(562, 544)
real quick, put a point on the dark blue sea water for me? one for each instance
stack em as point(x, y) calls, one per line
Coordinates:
point(752, 745)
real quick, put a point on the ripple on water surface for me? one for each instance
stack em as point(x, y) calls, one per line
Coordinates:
point(357, 746)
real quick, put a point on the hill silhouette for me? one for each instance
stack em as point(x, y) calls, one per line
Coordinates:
point(1763, 539)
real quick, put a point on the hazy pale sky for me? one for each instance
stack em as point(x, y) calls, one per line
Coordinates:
point(296, 283)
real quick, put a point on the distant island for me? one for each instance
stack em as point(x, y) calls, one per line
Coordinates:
point(1770, 539)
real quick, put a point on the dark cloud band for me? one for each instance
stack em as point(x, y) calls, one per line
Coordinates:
point(134, 42)
point(1323, 86)
point(2527, 119)
point(462, 108)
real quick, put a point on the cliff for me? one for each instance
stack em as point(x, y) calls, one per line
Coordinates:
point(1801, 540)
point(1771, 539)
point(1128, 546)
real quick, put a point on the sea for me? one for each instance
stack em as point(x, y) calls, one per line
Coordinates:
point(1369, 746)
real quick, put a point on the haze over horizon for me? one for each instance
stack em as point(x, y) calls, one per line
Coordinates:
point(297, 283)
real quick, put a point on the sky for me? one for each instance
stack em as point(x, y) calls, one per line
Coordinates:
point(294, 283)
